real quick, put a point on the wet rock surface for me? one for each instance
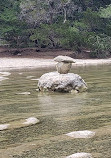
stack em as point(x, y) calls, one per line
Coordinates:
point(55, 81)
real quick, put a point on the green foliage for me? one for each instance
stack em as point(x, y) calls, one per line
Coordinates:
point(12, 29)
point(57, 35)
point(44, 35)
point(92, 19)
point(73, 24)
point(8, 16)
point(105, 12)
point(99, 44)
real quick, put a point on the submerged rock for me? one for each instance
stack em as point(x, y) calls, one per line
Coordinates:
point(54, 81)
point(4, 126)
point(19, 123)
point(35, 79)
point(24, 93)
point(31, 120)
point(80, 155)
point(28, 77)
point(81, 134)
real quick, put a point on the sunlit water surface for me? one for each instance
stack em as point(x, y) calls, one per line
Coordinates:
point(59, 113)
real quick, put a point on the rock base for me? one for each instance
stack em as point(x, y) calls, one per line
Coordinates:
point(54, 81)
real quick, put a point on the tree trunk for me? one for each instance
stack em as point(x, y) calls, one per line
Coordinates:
point(65, 15)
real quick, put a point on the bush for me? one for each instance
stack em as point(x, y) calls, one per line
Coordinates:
point(100, 45)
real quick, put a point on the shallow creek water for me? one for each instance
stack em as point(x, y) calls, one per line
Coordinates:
point(59, 113)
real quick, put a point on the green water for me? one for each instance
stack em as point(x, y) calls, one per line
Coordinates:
point(58, 114)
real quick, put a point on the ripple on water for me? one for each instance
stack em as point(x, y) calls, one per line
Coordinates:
point(3, 78)
point(5, 73)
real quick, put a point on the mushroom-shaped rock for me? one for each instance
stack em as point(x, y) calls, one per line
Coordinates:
point(64, 64)
point(54, 81)
point(65, 59)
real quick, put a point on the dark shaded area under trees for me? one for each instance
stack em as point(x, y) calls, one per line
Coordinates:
point(78, 25)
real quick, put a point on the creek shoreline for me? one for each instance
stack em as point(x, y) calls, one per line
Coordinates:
point(27, 63)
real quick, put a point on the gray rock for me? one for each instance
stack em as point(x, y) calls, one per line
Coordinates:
point(81, 134)
point(31, 120)
point(65, 59)
point(80, 155)
point(4, 126)
point(54, 81)
point(63, 68)
point(64, 64)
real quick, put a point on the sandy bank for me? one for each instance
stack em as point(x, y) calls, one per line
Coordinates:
point(20, 63)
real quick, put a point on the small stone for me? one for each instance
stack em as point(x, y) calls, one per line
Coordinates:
point(74, 91)
point(4, 126)
point(37, 90)
point(31, 120)
point(24, 93)
point(81, 134)
point(35, 79)
point(80, 155)
point(28, 77)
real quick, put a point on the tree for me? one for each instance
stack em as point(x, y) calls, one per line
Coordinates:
point(12, 29)
point(105, 12)
point(46, 11)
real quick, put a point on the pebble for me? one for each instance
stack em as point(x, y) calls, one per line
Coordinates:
point(24, 93)
point(81, 134)
point(31, 120)
point(35, 79)
point(4, 126)
point(28, 77)
point(80, 155)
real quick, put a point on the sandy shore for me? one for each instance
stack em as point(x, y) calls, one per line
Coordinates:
point(20, 63)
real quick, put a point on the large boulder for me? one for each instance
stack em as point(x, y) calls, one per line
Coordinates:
point(54, 81)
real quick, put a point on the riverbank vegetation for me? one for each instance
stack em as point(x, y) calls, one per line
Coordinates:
point(62, 24)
